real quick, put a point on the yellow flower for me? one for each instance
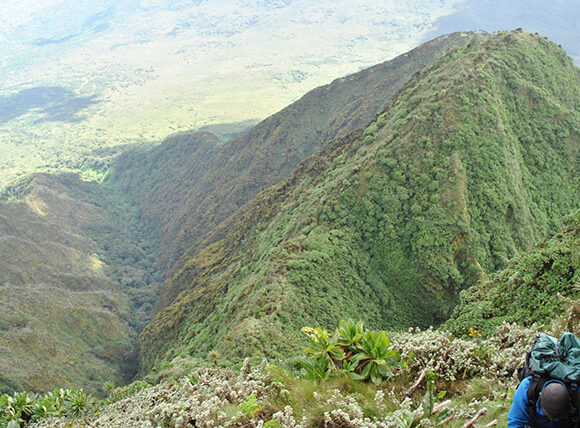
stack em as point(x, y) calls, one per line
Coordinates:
point(473, 332)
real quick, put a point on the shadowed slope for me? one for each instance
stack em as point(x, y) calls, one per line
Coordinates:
point(212, 182)
point(536, 287)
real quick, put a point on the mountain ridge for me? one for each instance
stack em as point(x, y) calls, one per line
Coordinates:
point(451, 174)
point(425, 195)
point(140, 215)
point(269, 151)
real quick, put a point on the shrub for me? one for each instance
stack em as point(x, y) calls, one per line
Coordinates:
point(78, 404)
point(363, 354)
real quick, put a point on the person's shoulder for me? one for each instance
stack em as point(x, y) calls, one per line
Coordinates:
point(523, 389)
point(525, 383)
point(518, 415)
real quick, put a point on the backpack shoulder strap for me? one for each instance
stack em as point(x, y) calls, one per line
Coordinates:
point(575, 401)
point(536, 384)
point(526, 369)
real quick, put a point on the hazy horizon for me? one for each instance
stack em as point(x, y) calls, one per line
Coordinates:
point(113, 73)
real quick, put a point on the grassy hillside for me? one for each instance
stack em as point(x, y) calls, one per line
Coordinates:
point(474, 161)
point(188, 196)
point(73, 286)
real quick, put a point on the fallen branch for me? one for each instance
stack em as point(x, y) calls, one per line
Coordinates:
point(416, 384)
point(493, 423)
point(89, 424)
point(444, 421)
point(475, 418)
point(441, 406)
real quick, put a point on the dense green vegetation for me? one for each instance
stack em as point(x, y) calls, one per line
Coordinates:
point(462, 377)
point(430, 378)
point(536, 287)
point(352, 350)
point(449, 183)
point(189, 185)
point(439, 380)
point(79, 259)
point(471, 163)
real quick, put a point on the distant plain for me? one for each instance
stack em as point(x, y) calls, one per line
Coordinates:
point(76, 80)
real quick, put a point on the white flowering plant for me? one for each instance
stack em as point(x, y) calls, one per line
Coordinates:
point(477, 373)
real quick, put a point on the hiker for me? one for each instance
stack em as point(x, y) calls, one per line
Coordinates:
point(546, 405)
point(547, 395)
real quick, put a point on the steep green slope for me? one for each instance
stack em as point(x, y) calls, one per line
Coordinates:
point(159, 180)
point(73, 286)
point(190, 195)
point(77, 266)
point(474, 160)
point(536, 287)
